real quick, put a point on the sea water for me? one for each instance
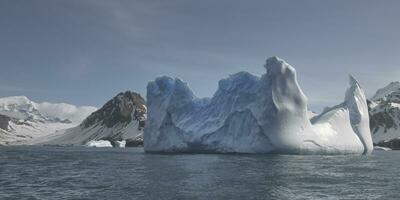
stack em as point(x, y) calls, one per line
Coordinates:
point(34, 172)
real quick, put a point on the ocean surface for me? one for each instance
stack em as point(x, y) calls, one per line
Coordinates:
point(110, 173)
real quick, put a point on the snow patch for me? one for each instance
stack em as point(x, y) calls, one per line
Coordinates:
point(99, 143)
point(378, 148)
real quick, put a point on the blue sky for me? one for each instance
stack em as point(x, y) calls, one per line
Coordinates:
point(85, 51)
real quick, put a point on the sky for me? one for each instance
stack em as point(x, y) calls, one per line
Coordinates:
point(84, 52)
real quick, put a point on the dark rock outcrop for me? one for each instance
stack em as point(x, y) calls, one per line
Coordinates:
point(394, 144)
point(384, 112)
point(4, 122)
point(119, 110)
point(137, 142)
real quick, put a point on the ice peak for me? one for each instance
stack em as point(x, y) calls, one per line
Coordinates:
point(355, 95)
point(275, 65)
point(272, 60)
point(353, 82)
point(166, 83)
point(236, 81)
point(169, 88)
point(356, 102)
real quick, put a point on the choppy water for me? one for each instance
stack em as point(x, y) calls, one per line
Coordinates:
point(108, 173)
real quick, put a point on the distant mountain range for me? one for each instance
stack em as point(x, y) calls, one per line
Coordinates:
point(24, 122)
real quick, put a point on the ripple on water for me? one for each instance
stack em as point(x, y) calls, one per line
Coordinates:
point(107, 173)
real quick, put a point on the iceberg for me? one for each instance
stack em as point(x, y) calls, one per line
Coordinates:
point(99, 143)
point(379, 148)
point(251, 114)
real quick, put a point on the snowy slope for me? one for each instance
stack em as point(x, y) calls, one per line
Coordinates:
point(22, 108)
point(121, 118)
point(383, 93)
point(250, 114)
point(25, 120)
point(385, 113)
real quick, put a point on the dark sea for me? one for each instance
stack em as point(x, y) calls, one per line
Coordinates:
point(29, 172)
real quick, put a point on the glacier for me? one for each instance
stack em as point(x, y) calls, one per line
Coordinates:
point(251, 114)
point(23, 121)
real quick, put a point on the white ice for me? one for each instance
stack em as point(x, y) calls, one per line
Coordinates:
point(378, 148)
point(99, 143)
point(250, 114)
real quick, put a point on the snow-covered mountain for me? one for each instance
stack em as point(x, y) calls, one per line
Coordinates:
point(250, 114)
point(384, 109)
point(120, 119)
point(385, 93)
point(22, 120)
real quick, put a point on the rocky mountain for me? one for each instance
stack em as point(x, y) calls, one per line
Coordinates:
point(384, 110)
point(22, 121)
point(120, 120)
